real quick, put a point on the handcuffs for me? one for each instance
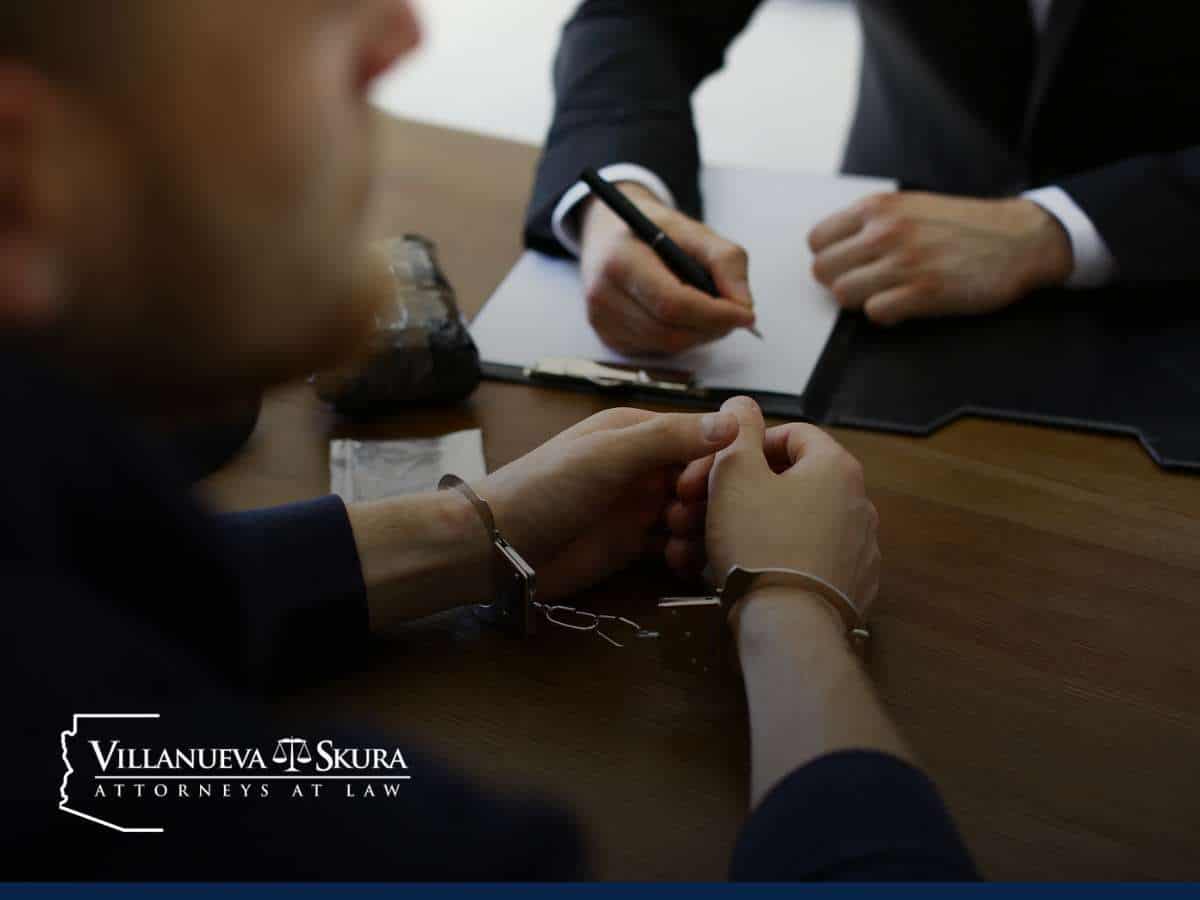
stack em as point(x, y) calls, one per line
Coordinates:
point(692, 634)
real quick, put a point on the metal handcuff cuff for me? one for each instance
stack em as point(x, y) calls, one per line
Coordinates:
point(692, 633)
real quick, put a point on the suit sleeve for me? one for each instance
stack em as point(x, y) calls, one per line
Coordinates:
point(623, 79)
point(852, 816)
point(306, 605)
point(1147, 209)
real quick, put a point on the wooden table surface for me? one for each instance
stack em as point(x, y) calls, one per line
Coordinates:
point(1036, 630)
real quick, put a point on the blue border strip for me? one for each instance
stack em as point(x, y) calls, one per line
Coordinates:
point(614, 889)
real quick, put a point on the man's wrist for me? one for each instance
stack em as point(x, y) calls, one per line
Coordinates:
point(1051, 257)
point(565, 218)
point(1093, 264)
point(421, 554)
point(590, 209)
point(774, 617)
point(465, 529)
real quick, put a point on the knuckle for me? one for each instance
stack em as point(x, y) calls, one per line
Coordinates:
point(724, 463)
point(613, 268)
point(930, 284)
point(666, 308)
point(910, 259)
point(600, 441)
point(868, 207)
point(672, 424)
point(596, 298)
point(875, 204)
point(887, 232)
point(746, 405)
point(810, 434)
point(843, 292)
point(608, 419)
point(814, 441)
point(736, 455)
point(734, 255)
point(877, 238)
point(596, 315)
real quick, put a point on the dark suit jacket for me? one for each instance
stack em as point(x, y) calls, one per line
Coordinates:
point(957, 97)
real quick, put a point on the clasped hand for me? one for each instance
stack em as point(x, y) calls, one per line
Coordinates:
point(718, 487)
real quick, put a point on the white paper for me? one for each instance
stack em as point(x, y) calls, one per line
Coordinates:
point(373, 470)
point(538, 311)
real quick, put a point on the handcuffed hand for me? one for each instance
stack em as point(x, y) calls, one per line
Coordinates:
point(787, 497)
point(589, 501)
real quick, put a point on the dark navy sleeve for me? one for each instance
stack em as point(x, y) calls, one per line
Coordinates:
point(852, 816)
point(1147, 209)
point(71, 649)
point(306, 604)
point(623, 80)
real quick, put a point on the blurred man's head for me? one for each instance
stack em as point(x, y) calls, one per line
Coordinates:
point(183, 185)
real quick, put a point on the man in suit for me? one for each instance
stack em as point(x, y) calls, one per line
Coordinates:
point(1039, 143)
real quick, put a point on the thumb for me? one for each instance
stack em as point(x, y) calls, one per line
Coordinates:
point(751, 428)
point(669, 439)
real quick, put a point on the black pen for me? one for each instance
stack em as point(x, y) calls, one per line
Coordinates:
point(688, 270)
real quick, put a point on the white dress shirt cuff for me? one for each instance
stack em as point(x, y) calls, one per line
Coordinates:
point(1094, 264)
point(564, 224)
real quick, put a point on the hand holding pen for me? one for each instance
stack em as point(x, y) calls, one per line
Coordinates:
point(656, 280)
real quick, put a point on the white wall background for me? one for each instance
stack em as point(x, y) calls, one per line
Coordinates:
point(784, 101)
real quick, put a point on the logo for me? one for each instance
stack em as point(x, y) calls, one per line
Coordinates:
point(286, 752)
point(118, 772)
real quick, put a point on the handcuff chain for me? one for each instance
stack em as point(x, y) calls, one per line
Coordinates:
point(551, 612)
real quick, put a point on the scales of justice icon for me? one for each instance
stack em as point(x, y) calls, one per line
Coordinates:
point(291, 750)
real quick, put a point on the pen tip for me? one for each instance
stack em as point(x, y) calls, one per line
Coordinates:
point(754, 331)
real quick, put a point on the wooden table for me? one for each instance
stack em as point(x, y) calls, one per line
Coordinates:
point(1036, 633)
